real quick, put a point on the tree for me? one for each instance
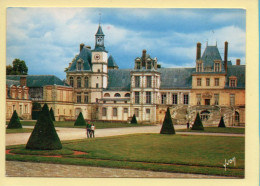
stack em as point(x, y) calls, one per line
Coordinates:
point(167, 126)
point(221, 122)
point(197, 123)
point(134, 121)
point(14, 122)
point(19, 68)
point(80, 120)
point(52, 114)
point(44, 135)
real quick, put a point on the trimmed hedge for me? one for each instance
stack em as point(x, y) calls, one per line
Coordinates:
point(52, 114)
point(14, 122)
point(167, 126)
point(44, 135)
point(221, 122)
point(80, 120)
point(134, 121)
point(197, 124)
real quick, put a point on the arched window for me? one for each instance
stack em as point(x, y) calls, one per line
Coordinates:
point(106, 95)
point(236, 116)
point(117, 95)
point(204, 115)
point(78, 82)
point(127, 95)
point(86, 82)
point(71, 81)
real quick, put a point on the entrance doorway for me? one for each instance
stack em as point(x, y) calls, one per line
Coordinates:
point(207, 101)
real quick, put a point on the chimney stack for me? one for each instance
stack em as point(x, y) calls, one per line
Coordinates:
point(226, 55)
point(238, 62)
point(23, 81)
point(81, 47)
point(198, 51)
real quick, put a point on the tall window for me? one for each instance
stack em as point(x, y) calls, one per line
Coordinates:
point(175, 99)
point(25, 109)
point(79, 66)
point(104, 111)
point(149, 81)
point(185, 99)
point(232, 83)
point(207, 82)
point(149, 65)
point(78, 82)
point(138, 65)
point(216, 99)
point(137, 98)
point(136, 112)
point(216, 81)
point(97, 85)
point(125, 110)
point(163, 98)
point(198, 99)
point(71, 81)
point(86, 82)
point(85, 97)
point(114, 111)
point(137, 81)
point(79, 97)
point(217, 67)
point(21, 109)
point(148, 97)
point(198, 81)
point(199, 67)
point(232, 99)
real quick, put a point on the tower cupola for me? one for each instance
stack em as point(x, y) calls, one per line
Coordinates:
point(99, 44)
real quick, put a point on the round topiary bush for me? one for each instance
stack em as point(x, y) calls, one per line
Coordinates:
point(14, 122)
point(197, 124)
point(167, 126)
point(80, 120)
point(134, 121)
point(221, 122)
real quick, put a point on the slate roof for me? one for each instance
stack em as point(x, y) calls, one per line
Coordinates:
point(119, 79)
point(111, 62)
point(85, 55)
point(12, 82)
point(180, 78)
point(210, 54)
point(38, 80)
point(99, 31)
point(239, 72)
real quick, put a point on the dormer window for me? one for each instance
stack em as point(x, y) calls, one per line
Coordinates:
point(199, 67)
point(80, 65)
point(232, 81)
point(217, 66)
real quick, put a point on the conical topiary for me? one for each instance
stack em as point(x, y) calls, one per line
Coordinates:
point(221, 122)
point(167, 126)
point(52, 114)
point(80, 120)
point(14, 122)
point(44, 135)
point(197, 124)
point(134, 121)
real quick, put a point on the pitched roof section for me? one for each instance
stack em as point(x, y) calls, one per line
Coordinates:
point(210, 54)
point(180, 78)
point(12, 82)
point(85, 56)
point(111, 62)
point(239, 72)
point(38, 80)
point(119, 79)
point(99, 31)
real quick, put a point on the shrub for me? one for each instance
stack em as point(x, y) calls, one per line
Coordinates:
point(80, 120)
point(221, 122)
point(134, 121)
point(197, 123)
point(44, 135)
point(52, 114)
point(167, 126)
point(14, 122)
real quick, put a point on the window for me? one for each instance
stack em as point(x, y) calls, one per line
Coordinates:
point(148, 111)
point(232, 83)
point(114, 111)
point(207, 82)
point(198, 99)
point(204, 115)
point(125, 110)
point(104, 111)
point(136, 97)
point(79, 67)
point(98, 70)
point(96, 100)
point(71, 81)
point(198, 81)
point(199, 67)
point(174, 99)
point(149, 65)
point(216, 99)
point(117, 95)
point(216, 81)
point(21, 109)
point(97, 85)
point(149, 81)
point(86, 97)
point(148, 97)
point(236, 116)
point(79, 97)
point(232, 99)
point(127, 95)
point(136, 112)
point(185, 99)
point(137, 81)
point(25, 109)
point(163, 98)
point(106, 95)
point(138, 66)
point(78, 82)
point(86, 82)
point(217, 67)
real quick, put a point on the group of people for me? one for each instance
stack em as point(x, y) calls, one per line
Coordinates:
point(90, 130)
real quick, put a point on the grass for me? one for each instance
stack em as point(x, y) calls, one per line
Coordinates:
point(170, 153)
point(230, 130)
point(22, 130)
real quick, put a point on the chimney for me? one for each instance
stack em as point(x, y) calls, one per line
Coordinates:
point(226, 55)
point(81, 47)
point(238, 62)
point(198, 51)
point(88, 47)
point(144, 53)
point(23, 81)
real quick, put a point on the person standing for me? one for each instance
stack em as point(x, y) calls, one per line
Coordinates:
point(88, 129)
point(93, 130)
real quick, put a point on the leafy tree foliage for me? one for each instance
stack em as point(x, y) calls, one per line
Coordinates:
point(221, 122)
point(197, 124)
point(19, 68)
point(80, 120)
point(167, 126)
point(134, 121)
point(14, 122)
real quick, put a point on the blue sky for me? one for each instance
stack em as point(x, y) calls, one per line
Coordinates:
point(49, 38)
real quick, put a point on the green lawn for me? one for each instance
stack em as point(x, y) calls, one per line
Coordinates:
point(9, 131)
point(216, 130)
point(99, 125)
point(170, 153)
